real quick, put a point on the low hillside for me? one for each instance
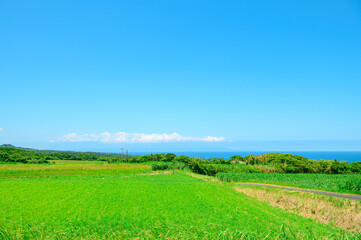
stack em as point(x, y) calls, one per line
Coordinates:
point(13, 155)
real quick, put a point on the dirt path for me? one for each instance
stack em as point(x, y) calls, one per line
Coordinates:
point(339, 195)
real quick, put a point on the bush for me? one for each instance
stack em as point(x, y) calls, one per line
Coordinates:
point(168, 166)
point(38, 161)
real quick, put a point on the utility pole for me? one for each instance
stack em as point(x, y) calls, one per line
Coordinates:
point(127, 155)
point(121, 154)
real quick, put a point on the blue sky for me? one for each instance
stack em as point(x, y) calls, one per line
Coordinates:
point(181, 75)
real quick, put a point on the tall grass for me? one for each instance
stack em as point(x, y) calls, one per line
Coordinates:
point(337, 183)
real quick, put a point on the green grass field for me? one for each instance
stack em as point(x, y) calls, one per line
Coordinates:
point(329, 182)
point(123, 204)
point(70, 168)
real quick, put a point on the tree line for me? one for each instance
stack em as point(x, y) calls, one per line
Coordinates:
point(264, 163)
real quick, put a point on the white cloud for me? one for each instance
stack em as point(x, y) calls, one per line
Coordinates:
point(1, 129)
point(123, 137)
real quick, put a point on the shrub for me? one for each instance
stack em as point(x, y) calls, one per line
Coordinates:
point(168, 166)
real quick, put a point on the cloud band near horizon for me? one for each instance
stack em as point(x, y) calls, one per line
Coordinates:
point(123, 137)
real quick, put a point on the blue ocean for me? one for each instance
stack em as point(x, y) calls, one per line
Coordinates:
point(350, 156)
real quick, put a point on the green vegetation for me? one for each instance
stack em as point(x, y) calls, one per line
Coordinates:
point(286, 169)
point(9, 153)
point(163, 157)
point(289, 163)
point(71, 169)
point(67, 162)
point(13, 155)
point(265, 163)
point(79, 155)
point(163, 206)
point(336, 182)
point(168, 166)
point(273, 163)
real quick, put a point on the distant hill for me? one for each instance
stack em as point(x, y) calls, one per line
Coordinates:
point(97, 154)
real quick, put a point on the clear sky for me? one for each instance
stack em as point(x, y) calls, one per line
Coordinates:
point(181, 75)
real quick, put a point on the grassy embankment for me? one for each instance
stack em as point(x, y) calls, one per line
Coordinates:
point(341, 183)
point(77, 203)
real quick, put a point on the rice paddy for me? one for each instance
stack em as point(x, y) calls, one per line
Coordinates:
point(125, 201)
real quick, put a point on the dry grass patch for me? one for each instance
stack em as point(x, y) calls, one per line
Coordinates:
point(36, 170)
point(328, 210)
point(99, 166)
